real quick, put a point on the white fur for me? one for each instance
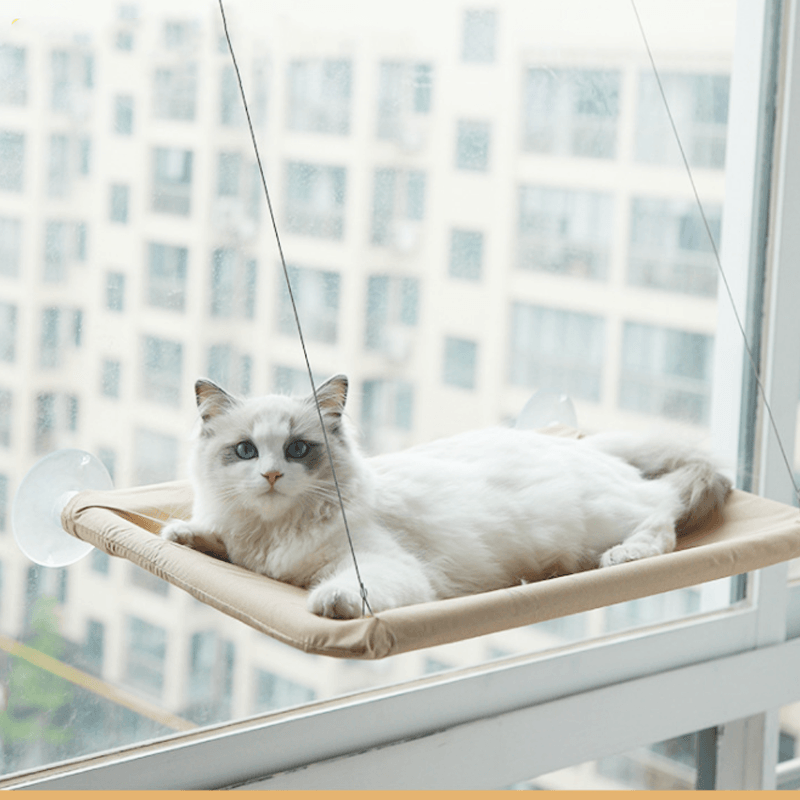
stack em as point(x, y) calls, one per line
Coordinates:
point(477, 511)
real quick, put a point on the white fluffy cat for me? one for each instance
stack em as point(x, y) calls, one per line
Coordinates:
point(477, 511)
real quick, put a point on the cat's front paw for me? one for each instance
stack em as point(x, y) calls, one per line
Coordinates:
point(179, 531)
point(630, 551)
point(182, 532)
point(335, 601)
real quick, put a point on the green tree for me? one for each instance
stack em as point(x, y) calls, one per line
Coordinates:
point(34, 721)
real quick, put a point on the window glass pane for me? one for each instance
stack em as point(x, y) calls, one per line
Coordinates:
point(472, 205)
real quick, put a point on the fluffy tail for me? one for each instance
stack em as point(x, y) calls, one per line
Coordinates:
point(702, 489)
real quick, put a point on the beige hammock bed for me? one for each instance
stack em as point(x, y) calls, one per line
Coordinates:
point(751, 533)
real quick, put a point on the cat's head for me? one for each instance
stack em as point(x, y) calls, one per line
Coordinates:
point(268, 454)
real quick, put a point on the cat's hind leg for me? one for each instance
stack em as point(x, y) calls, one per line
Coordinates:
point(390, 582)
point(653, 537)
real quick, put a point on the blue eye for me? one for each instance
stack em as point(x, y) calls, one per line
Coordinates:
point(246, 450)
point(297, 449)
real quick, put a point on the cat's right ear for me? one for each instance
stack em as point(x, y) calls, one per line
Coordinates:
point(332, 395)
point(211, 400)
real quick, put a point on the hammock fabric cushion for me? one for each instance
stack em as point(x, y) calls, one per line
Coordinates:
point(751, 533)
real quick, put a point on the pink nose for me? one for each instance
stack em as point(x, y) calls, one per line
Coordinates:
point(272, 477)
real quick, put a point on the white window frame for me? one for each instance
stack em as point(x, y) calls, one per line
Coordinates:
point(490, 726)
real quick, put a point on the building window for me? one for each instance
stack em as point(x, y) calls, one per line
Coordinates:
point(143, 579)
point(180, 34)
point(466, 254)
point(99, 562)
point(472, 146)
point(386, 406)
point(72, 406)
point(118, 203)
point(555, 349)
point(110, 373)
point(231, 112)
point(58, 172)
point(174, 92)
point(699, 105)
point(319, 96)
point(13, 76)
point(94, 645)
point(405, 90)
point(480, 30)
point(155, 457)
point(124, 40)
point(115, 291)
point(172, 180)
point(227, 368)
point(241, 194)
point(565, 231)
point(460, 362)
point(6, 409)
point(669, 246)
point(146, 655)
point(162, 373)
point(571, 112)
point(392, 310)
point(50, 350)
point(64, 243)
point(10, 246)
point(109, 459)
point(229, 167)
point(3, 506)
point(84, 155)
point(61, 86)
point(316, 295)
point(55, 413)
point(274, 691)
point(666, 372)
point(233, 284)
point(398, 206)
point(166, 276)
point(8, 332)
point(315, 197)
point(290, 380)
point(210, 685)
point(12, 160)
point(60, 328)
point(72, 74)
point(123, 115)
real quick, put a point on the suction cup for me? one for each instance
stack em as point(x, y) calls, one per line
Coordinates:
point(44, 492)
point(547, 407)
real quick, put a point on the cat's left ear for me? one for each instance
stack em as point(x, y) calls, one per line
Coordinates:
point(332, 395)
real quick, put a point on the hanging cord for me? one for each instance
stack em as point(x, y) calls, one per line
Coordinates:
point(753, 364)
point(364, 602)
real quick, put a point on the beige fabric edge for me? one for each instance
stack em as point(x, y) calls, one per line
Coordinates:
point(753, 533)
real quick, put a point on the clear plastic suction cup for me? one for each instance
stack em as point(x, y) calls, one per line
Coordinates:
point(547, 407)
point(49, 485)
